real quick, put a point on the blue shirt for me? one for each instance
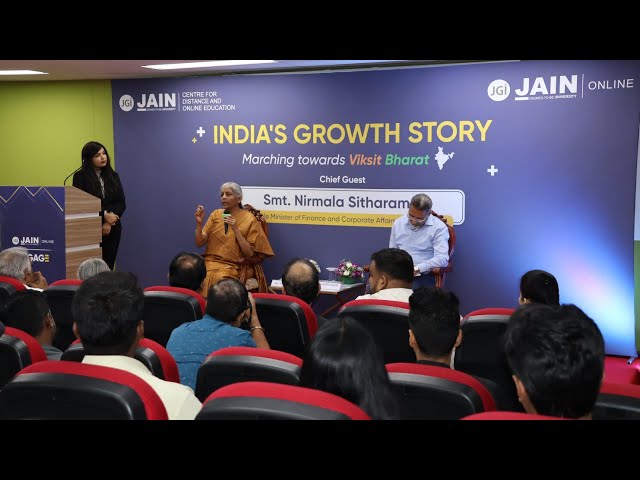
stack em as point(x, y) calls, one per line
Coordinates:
point(192, 342)
point(428, 244)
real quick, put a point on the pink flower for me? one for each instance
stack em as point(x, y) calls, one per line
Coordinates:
point(347, 268)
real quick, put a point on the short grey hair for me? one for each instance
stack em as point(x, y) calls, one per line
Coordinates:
point(14, 262)
point(92, 266)
point(422, 202)
point(234, 187)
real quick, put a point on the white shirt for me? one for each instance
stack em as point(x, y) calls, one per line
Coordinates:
point(428, 244)
point(394, 294)
point(179, 400)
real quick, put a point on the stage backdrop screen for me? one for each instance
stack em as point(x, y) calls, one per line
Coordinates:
point(533, 162)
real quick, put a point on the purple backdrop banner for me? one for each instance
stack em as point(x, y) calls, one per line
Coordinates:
point(534, 162)
point(33, 217)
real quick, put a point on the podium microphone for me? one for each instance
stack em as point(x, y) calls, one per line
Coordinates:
point(225, 214)
point(71, 174)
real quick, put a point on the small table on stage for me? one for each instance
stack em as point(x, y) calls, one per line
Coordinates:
point(342, 292)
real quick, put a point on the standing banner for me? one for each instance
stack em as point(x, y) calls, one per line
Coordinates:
point(533, 162)
point(33, 217)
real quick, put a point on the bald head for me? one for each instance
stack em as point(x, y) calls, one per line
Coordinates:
point(301, 279)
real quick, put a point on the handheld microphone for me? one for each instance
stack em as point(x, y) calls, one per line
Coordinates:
point(226, 225)
point(71, 174)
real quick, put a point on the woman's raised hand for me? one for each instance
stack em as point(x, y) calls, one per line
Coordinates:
point(199, 214)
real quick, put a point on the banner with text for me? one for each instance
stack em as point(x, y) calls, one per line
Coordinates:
point(343, 207)
point(533, 162)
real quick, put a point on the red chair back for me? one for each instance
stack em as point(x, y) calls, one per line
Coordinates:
point(437, 393)
point(481, 352)
point(289, 322)
point(9, 286)
point(274, 401)
point(18, 350)
point(72, 391)
point(388, 322)
point(490, 311)
point(622, 369)
point(67, 281)
point(166, 308)
point(163, 288)
point(59, 297)
point(153, 355)
point(617, 401)
point(243, 364)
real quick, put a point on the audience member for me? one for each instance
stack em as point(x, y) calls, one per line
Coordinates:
point(91, 266)
point(343, 359)
point(434, 321)
point(556, 354)
point(28, 311)
point(301, 279)
point(425, 238)
point(15, 263)
point(187, 270)
point(107, 309)
point(229, 306)
point(390, 275)
point(538, 286)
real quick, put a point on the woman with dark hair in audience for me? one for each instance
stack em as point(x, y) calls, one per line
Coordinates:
point(343, 359)
point(538, 286)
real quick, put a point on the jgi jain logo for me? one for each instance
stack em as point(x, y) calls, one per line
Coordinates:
point(26, 241)
point(149, 102)
point(541, 88)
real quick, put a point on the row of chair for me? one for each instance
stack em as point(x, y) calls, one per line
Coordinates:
point(426, 392)
point(18, 350)
point(290, 322)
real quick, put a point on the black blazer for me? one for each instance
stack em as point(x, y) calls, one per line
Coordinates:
point(114, 200)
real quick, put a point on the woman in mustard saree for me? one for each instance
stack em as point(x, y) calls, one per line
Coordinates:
point(234, 239)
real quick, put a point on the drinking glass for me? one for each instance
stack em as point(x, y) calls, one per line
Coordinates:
point(332, 273)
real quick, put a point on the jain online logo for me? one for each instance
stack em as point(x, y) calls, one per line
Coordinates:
point(540, 88)
point(150, 102)
point(26, 241)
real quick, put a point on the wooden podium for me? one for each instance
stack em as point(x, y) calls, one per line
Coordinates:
point(82, 228)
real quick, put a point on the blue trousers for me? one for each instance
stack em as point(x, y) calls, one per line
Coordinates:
point(424, 280)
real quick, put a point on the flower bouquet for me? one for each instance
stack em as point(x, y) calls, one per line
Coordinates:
point(349, 272)
point(315, 264)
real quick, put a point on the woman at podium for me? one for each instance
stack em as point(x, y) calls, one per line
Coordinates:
point(97, 177)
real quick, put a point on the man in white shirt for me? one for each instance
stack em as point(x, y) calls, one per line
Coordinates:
point(390, 275)
point(425, 238)
point(15, 263)
point(107, 309)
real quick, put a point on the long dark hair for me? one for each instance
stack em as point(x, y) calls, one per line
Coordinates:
point(107, 173)
point(343, 359)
